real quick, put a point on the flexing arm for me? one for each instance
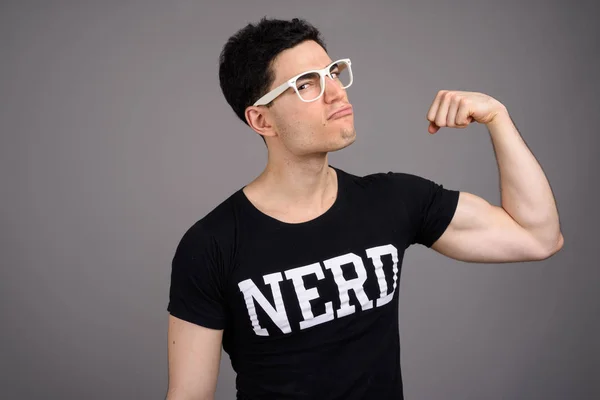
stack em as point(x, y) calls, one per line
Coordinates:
point(526, 227)
point(526, 193)
point(194, 354)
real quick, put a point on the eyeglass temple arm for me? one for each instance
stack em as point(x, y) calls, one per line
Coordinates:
point(267, 98)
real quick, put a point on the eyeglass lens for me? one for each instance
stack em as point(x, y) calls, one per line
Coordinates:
point(309, 85)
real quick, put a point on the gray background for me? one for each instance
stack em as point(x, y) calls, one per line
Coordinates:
point(116, 138)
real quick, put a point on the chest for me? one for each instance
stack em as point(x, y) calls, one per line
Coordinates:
point(289, 281)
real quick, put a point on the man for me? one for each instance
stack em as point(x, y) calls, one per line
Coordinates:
point(296, 274)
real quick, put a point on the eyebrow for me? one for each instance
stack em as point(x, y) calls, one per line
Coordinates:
point(314, 69)
point(327, 65)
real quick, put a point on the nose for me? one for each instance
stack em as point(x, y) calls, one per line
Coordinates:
point(333, 90)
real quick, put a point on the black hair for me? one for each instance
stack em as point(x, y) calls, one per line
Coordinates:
point(245, 63)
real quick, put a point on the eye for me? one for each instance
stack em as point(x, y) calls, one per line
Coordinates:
point(306, 84)
point(335, 71)
point(307, 81)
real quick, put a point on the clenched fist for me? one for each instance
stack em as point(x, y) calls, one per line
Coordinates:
point(456, 109)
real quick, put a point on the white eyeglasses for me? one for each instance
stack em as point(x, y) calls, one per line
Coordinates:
point(310, 85)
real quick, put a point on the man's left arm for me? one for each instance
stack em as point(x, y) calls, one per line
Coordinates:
point(526, 226)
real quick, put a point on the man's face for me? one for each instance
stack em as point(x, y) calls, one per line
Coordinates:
point(305, 128)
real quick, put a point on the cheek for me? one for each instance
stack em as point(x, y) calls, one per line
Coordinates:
point(303, 124)
point(300, 134)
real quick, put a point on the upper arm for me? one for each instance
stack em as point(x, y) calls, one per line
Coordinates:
point(482, 232)
point(194, 354)
point(197, 316)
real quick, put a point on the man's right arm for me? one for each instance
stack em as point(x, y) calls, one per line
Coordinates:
point(194, 354)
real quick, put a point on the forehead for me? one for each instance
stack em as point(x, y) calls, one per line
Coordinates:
point(303, 57)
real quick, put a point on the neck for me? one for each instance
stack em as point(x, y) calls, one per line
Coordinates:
point(306, 183)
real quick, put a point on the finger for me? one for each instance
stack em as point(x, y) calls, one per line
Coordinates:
point(434, 106)
point(462, 116)
point(452, 110)
point(433, 128)
point(442, 112)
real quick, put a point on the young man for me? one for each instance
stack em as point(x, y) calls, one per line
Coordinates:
point(296, 274)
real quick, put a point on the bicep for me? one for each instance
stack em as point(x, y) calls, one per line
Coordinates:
point(482, 232)
point(194, 354)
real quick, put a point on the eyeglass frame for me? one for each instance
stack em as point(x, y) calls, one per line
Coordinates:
point(273, 94)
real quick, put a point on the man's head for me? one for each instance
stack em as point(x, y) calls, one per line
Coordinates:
point(260, 58)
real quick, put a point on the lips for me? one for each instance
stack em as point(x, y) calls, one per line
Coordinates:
point(346, 110)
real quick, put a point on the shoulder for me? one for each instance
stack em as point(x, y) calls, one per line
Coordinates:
point(396, 181)
point(214, 231)
point(403, 188)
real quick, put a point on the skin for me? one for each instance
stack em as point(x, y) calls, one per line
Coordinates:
point(526, 226)
point(297, 179)
point(297, 185)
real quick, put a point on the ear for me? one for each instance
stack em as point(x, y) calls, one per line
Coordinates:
point(259, 118)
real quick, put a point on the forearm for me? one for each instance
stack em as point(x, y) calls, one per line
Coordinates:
point(526, 193)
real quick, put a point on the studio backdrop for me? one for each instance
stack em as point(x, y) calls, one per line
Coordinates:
point(116, 138)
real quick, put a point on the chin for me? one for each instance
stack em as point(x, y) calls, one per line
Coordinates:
point(347, 137)
point(348, 134)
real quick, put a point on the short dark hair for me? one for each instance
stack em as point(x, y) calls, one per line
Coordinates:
point(245, 63)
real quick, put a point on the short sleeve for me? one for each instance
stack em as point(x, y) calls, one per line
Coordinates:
point(429, 206)
point(196, 291)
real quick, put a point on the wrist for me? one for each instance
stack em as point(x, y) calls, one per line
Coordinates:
point(502, 117)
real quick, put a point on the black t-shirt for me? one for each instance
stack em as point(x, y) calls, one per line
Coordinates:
point(310, 310)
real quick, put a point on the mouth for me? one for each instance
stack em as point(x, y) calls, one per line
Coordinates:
point(342, 112)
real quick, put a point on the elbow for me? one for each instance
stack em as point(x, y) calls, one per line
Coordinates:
point(557, 245)
point(551, 249)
